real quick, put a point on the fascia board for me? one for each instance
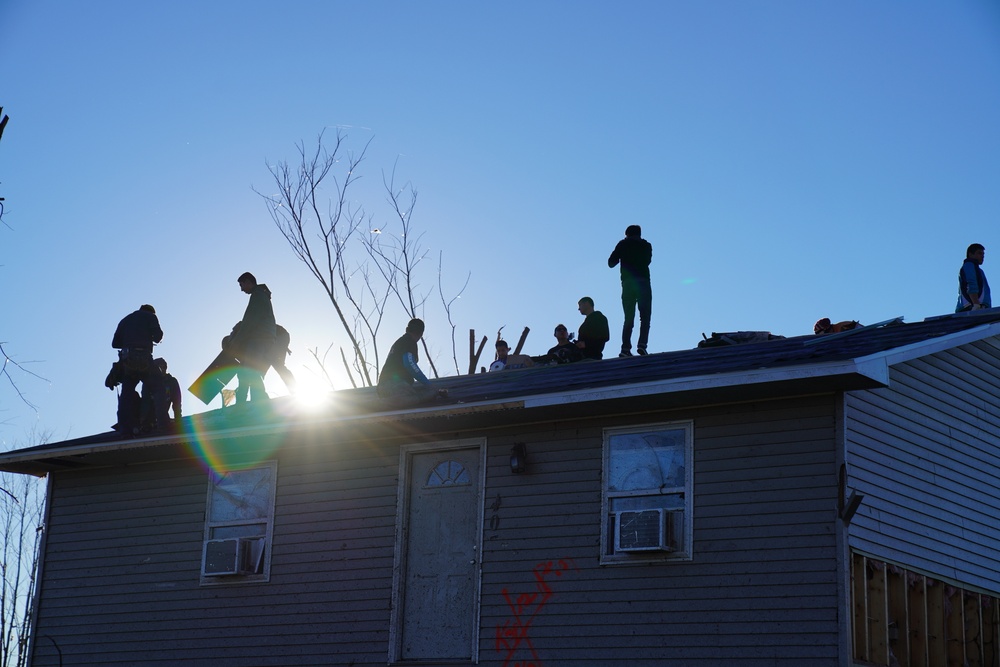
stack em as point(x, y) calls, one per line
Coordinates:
point(875, 369)
point(925, 348)
point(75, 450)
point(65, 452)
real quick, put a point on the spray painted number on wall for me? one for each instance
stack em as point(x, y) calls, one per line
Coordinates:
point(512, 635)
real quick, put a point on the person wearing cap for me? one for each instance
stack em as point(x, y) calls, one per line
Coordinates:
point(134, 339)
point(564, 351)
point(253, 339)
point(634, 254)
point(503, 349)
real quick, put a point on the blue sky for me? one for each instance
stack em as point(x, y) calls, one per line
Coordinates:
point(787, 160)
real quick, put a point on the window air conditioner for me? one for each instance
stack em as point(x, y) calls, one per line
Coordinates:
point(238, 555)
point(647, 530)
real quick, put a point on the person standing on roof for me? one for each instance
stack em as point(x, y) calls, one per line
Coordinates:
point(594, 331)
point(973, 288)
point(251, 343)
point(401, 379)
point(634, 253)
point(279, 352)
point(134, 338)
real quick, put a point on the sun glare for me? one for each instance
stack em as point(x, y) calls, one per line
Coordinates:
point(312, 393)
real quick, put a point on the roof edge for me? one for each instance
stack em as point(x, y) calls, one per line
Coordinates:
point(931, 346)
point(874, 369)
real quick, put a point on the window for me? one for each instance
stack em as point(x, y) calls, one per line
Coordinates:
point(647, 493)
point(448, 473)
point(238, 524)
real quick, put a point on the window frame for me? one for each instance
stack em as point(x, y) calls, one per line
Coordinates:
point(213, 482)
point(608, 554)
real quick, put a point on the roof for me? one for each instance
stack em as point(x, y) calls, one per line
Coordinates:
point(856, 359)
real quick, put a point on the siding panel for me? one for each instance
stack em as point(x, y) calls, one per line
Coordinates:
point(121, 579)
point(924, 452)
point(765, 502)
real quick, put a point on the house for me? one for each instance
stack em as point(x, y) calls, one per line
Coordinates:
point(817, 500)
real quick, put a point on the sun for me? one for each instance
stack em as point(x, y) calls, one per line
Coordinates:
point(312, 393)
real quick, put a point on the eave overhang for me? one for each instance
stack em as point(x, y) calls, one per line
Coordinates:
point(617, 399)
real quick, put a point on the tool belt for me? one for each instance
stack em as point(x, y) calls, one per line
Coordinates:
point(137, 360)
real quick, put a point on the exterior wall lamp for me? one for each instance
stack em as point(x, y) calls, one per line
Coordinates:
point(518, 458)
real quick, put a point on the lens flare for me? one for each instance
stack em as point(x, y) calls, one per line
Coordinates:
point(236, 437)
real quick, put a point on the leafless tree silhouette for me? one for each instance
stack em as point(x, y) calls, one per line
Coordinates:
point(363, 267)
point(22, 500)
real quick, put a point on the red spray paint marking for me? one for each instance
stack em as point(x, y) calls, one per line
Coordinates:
point(512, 634)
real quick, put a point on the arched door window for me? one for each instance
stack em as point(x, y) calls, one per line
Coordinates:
point(448, 473)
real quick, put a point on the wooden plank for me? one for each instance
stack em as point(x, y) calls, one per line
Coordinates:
point(937, 645)
point(916, 611)
point(899, 621)
point(991, 632)
point(973, 622)
point(955, 626)
point(878, 612)
point(859, 608)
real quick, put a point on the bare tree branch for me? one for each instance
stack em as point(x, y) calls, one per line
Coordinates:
point(6, 363)
point(323, 233)
point(319, 238)
point(322, 365)
point(398, 255)
point(447, 308)
point(21, 528)
point(348, 367)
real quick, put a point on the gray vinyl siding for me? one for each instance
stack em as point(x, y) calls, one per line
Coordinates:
point(761, 588)
point(924, 452)
point(121, 576)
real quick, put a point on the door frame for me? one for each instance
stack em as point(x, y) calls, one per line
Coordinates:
point(406, 454)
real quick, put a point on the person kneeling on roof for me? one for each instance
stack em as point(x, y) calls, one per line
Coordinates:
point(401, 379)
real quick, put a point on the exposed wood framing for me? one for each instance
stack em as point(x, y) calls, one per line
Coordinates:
point(474, 354)
point(906, 619)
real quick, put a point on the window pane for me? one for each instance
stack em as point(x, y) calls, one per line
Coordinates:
point(241, 495)
point(448, 473)
point(646, 461)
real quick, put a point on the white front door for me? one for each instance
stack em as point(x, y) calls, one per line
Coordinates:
point(437, 584)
